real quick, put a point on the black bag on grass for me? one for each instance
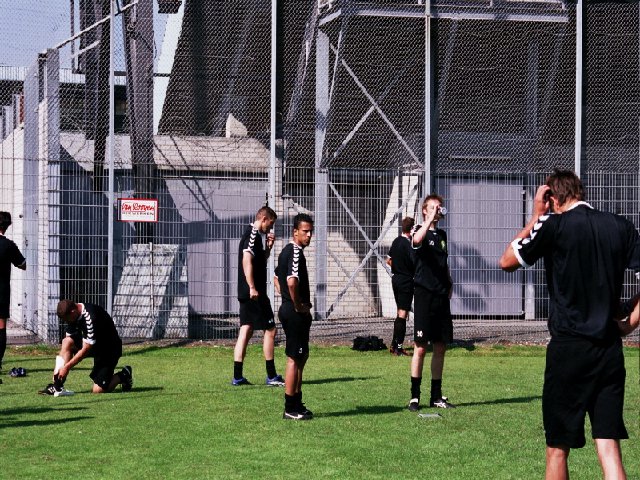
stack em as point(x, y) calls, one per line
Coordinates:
point(372, 342)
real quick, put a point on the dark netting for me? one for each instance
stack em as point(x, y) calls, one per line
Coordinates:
point(193, 92)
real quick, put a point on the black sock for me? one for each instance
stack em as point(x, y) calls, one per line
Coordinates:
point(399, 331)
point(290, 403)
point(436, 389)
point(415, 387)
point(237, 370)
point(271, 368)
point(3, 343)
point(298, 397)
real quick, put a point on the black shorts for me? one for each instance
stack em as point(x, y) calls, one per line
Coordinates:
point(296, 327)
point(582, 376)
point(104, 364)
point(257, 313)
point(402, 292)
point(431, 317)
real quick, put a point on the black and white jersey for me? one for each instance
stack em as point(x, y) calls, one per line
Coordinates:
point(292, 263)
point(251, 242)
point(586, 253)
point(402, 259)
point(432, 269)
point(96, 327)
point(9, 255)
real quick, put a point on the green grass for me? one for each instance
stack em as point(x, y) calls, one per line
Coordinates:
point(184, 420)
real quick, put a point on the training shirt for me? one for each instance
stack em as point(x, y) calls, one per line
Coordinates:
point(402, 259)
point(96, 327)
point(586, 253)
point(292, 263)
point(432, 270)
point(251, 242)
point(9, 255)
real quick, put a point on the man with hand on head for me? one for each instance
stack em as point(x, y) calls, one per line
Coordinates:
point(586, 253)
point(255, 307)
point(90, 331)
point(402, 263)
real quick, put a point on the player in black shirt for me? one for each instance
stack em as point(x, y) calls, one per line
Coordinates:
point(432, 312)
point(9, 255)
point(90, 331)
point(402, 263)
point(295, 314)
point(586, 253)
point(255, 306)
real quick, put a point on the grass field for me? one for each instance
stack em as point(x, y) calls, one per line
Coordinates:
point(184, 420)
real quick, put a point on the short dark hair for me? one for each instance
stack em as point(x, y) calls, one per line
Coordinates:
point(267, 212)
point(65, 307)
point(407, 224)
point(432, 196)
point(565, 185)
point(5, 221)
point(301, 218)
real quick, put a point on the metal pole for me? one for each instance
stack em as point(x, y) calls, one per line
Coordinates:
point(427, 99)
point(272, 150)
point(110, 158)
point(579, 81)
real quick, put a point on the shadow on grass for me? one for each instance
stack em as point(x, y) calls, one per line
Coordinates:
point(321, 381)
point(36, 410)
point(33, 423)
point(152, 348)
point(499, 401)
point(371, 410)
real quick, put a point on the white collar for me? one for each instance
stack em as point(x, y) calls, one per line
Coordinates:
point(577, 204)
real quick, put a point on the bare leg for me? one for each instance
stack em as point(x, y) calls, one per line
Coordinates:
point(268, 343)
point(610, 456)
point(291, 377)
point(417, 361)
point(437, 360)
point(557, 467)
point(245, 334)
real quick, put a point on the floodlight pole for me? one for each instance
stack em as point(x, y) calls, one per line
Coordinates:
point(428, 101)
point(272, 140)
point(578, 141)
point(110, 158)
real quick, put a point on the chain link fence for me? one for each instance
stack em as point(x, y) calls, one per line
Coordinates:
point(193, 114)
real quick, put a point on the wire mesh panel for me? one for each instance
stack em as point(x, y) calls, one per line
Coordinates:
point(369, 106)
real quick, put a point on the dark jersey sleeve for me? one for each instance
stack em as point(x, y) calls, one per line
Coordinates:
point(634, 249)
point(249, 242)
point(540, 240)
point(16, 256)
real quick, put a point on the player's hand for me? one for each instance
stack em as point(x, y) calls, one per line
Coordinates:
point(271, 238)
point(542, 201)
point(303, 307)
point(63, 372)
point(253, 293)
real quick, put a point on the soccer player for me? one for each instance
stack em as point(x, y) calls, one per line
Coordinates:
point(586, 253)
point(255, 306)
point(295, 314)
point(90, 331)
point(402, 266)
point(9, 255)
point(432, 311)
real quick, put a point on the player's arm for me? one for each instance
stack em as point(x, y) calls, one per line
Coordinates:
point(509, 261)
point(247, 268)
point(271, 240)
point(276, 284)
point(75, 360)
point(292, 284)
point(630, 313)
point(389, 262)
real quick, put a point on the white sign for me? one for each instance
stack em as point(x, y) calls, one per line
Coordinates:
point(138, 209)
